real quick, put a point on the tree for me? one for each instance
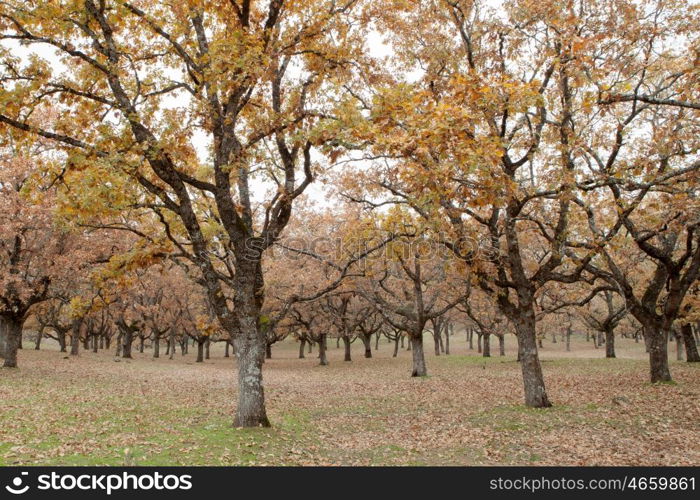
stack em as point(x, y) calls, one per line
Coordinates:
point(254, 79)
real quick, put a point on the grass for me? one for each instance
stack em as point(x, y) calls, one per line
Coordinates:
point(92, 411)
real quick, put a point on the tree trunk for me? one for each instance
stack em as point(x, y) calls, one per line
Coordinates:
point(554, 338)
point(311, 345)
point(691, 348)
point(487, 345)
point(95, 343)
point(249, 345)
point(679, 344)
point(226, 349)
point(402, 340)
point(200, 351)
point(367, 341)
point(436, 341)
point(61, 336)
point(207, 346)
point(39, 336)
point(478, 342)
point(156, 346)
point(609, 343)
point(533, 380)
point(127, 340)
point(10, 334)
point(658, 356)
point(141, 344)
point(447, 340)
point(568, 339)
point(346, 344)
point(376, 345)
point(268, 350)
point(75, 339)
point(470, 336)
point(322, 346)
point(302, 345)
point(171, 344)
point(396, 346)
point(419, 368)
point(501, 345)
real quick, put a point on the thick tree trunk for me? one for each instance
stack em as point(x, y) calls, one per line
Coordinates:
point(470, 336)
point(658, 356)
point(75, 339)
point(367, 341)
point(419, 368)
point(436, 341)
point(403, 338)
point(200, 351)
point(478, 342)
point(396, 346)
point(127, 341)
point(302, 345)
point(142, 342)
point(376, 344)
point(61, 336)
point(207, 346)
point(533, 380)
point(501, 345)
point(10, 334)
point(346, 343)
point(322, 346)
point(609, 343)
point(250, 411)
point(156, 346)
point(268, 350)
point(487, 345)
point(691, 348)
point(226, 349)
point(568, 339)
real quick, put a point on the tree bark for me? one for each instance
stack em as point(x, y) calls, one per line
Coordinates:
point(302, 345)
point(207, 345)
point(487, 345)
point(501, 345)
point(691, 348)
point(156, 346)
point(470, 336)
point(447, 340)
point(268, 350)
point(10, 334)
point(250, 411)
point(658, 356)
point(419, 368)
point(39, 336)
point(200, 351)
point(396, 346)
point(127, 341)
point(609, 343)
point(75, 339)
point(367, 341)
point(322, 346)
point(533, 380)
point(346, 343)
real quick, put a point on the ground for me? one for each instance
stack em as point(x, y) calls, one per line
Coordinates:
point(93, 410)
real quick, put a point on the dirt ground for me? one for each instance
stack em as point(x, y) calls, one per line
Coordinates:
point(95, 409)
